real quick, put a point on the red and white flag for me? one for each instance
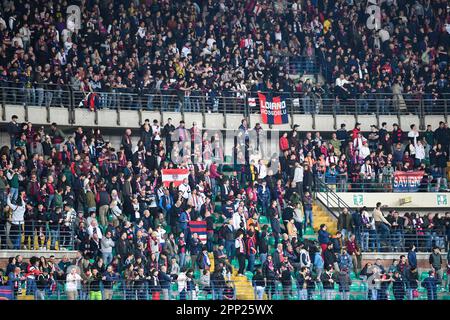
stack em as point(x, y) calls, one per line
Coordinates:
point(174, 175)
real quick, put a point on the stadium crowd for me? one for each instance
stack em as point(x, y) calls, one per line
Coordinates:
point(76, 191)
point(224, 48)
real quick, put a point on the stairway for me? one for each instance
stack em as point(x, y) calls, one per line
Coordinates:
point(243, 284)
point(321, 216)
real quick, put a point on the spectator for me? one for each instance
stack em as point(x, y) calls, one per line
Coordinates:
point(72, 283)
point(430, 284)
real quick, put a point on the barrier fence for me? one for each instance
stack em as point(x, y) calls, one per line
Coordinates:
point(224, 101)
point(378, 185)
point(376, 287)
point(34, 235)
point(382, 238)
point(138, 288)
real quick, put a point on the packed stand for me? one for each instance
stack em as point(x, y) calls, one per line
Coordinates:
point(76, 191)
point(353, 160)
point(222, 49)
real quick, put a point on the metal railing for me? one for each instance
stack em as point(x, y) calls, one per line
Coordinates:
point(118, 289)
point(121, 289)
point(329, 198)
point(224, 101)
point(34, 235)
point(383, 238)
point(301, 65)
point(356, 290)
point(378, 185)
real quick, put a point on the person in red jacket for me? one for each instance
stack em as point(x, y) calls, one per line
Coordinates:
point(284, 143)
point(356, 130)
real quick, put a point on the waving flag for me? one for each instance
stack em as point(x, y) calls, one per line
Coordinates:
point(174, 175)
point(198, 227)
point(273, 109)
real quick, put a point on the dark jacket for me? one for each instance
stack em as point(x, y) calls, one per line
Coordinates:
point(435, 260)
point(343, 279)
point(329, 258)
point(412, 259)
point(430, 283)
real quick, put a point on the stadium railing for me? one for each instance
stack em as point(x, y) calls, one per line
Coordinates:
point(377, 186)
point(121, 289)
point(299, 65)
point(36, 235)
point(230, 102)
point(377, 239)
point(360, 288)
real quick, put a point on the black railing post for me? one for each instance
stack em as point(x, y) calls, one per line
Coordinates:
point(118, 107)
point(71, 106)
point(421, 115)
point(3, 104)
point(203, 108)
point(246, 107)
point(445, 107)
point(291, 107)
point(140, 112)
point(334, 119)
point(25, 106)
point(224, 112)
point(182, 107)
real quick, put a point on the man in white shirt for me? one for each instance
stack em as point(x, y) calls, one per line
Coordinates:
point(142, 30)
point(262, 169)
point(238, 217)
point(367, 175)
point(94, 228)
point(420, 152)
point(186, 50)
point(413, 133)
point(185, 189)
point(298, 178)
point(364, 150)
point(340, 89)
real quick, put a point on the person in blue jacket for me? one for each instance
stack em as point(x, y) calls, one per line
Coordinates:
point(331, 176)
point(412, 257)
point(323, 237)
point(184, 219)
point(264, 197)
point(318, 263)
point(430, 283)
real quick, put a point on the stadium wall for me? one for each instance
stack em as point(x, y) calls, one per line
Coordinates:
point(133, 118)
point(404, 201)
